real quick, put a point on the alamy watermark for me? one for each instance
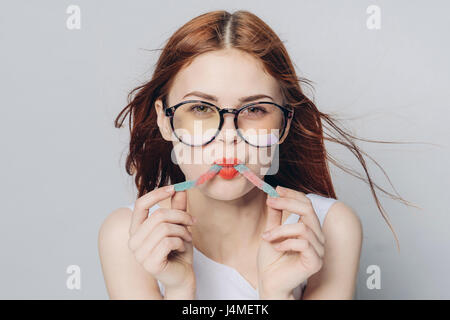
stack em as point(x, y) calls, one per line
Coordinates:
point(73, 281)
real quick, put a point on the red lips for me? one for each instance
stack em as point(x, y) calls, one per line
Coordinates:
point(227, 171)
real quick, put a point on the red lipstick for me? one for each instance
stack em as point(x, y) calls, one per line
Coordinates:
point(228, 171)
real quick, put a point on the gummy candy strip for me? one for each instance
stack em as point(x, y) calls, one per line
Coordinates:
point(188, 184)
point(246, 172)
point(253, 178)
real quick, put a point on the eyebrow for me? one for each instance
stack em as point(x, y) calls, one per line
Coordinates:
point(215, 99)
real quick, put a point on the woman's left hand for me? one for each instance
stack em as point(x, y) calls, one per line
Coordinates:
point(291, 252)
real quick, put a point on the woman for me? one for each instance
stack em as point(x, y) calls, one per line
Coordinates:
point(208, 242)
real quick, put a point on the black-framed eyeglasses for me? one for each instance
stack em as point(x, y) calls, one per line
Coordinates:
point(198, 122)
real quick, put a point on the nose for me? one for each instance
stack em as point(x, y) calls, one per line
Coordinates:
point(228, 133)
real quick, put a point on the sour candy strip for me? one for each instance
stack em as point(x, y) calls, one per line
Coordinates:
point(253, 178)
point(188, 184)
point(215, 168)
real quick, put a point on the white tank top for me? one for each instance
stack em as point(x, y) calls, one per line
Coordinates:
point(216, 281)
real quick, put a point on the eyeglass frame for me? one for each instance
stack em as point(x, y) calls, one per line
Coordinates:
point(288, 113)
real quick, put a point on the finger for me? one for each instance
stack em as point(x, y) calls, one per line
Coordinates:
point(291, 193)
point(308, 256)
point(273, 218)
point(144, 203)
point(160, 215)
point(293, 231)
point(179, 201)
point(170, 230)
point(306, 211)
point(292, 204)
point(165, 230)
point(157, 258)
point(301, 196)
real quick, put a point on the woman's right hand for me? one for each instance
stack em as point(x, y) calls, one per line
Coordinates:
point(162, 243)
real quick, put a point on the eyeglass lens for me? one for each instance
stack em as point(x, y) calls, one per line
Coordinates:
point(259, 125)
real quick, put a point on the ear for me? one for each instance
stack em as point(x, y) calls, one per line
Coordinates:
point(163, 121)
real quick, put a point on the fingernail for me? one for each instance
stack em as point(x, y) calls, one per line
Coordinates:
point(194, 219)
point(265, 234)
point(169, 189)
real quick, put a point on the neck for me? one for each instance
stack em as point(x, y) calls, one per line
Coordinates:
point(226, 230)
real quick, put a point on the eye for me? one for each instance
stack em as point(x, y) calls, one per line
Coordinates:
point(257, 110)
point(200, 108)
point(254, 111)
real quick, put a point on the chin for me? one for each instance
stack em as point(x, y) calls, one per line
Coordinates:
point(226, 189)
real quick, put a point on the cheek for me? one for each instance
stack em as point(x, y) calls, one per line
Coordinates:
point(182, 154)
point(263, 161)
point(192, 172)
point(190, 160)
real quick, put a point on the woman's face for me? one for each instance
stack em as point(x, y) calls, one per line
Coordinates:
point(226, 76)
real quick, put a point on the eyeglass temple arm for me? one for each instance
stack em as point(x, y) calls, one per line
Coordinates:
point(289, 110)
point(169, 112)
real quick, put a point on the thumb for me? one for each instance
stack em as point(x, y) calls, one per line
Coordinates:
point(273, 218)
point(179, 201)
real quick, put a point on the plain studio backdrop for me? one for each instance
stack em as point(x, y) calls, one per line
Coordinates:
point(62, 164)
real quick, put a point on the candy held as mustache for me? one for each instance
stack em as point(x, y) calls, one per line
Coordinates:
point(215, 169)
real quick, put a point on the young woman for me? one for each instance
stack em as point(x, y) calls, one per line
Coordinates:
point(209, 242)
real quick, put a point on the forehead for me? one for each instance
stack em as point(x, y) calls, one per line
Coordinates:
point(228, 74)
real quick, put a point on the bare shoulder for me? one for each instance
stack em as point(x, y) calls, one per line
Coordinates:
point(118, 222)
point(118, 219)
point(115, 227)
point(342, 220)
point(343, 240)
point(124, 277)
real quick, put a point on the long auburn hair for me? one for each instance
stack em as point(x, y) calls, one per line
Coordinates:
point(303, 158)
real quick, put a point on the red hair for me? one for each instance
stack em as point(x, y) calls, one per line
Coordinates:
point(303, 159)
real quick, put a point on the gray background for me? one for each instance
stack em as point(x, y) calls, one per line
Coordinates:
point(62, 164)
